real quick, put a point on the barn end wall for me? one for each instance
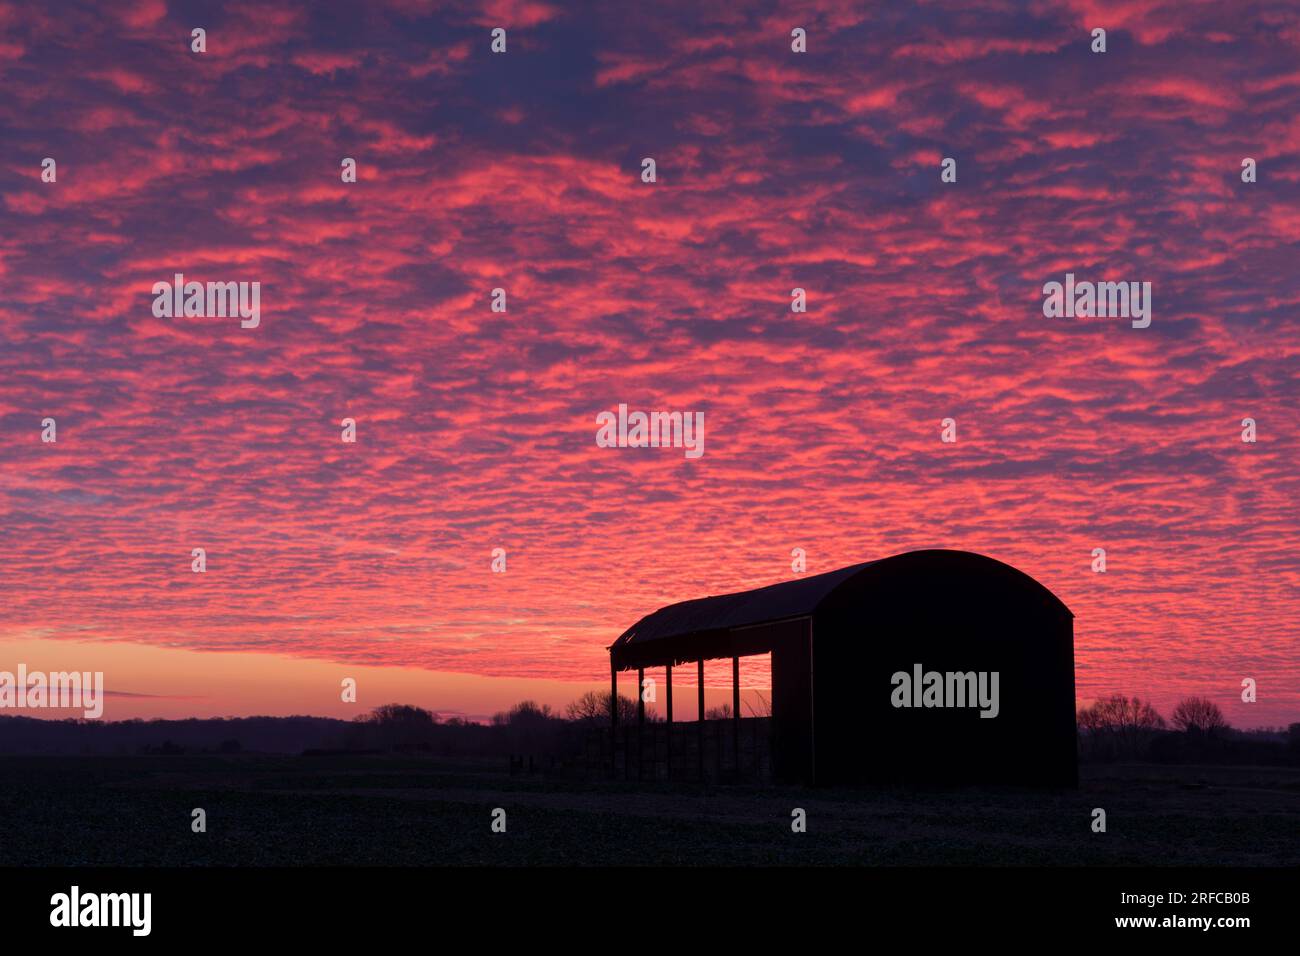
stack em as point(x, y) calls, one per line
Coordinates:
point(962, 619)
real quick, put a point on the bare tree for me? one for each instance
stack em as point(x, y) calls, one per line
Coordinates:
point(1120, 724)
point(1200, 715)
point(527, 727)
point(525, 713)
point(593, 707)
point(399, 726)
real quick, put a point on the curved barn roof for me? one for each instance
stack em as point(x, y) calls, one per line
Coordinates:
point(796, 599)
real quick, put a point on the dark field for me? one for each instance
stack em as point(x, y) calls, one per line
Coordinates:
point(71, 811)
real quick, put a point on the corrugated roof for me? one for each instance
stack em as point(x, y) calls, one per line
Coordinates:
point(776, 602)
point(795, 599)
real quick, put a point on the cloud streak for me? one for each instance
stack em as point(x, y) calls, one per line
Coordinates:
point(476, 429)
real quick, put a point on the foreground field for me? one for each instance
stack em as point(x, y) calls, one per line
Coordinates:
point(377, 810)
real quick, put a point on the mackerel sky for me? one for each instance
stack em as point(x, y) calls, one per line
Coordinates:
point(476, 430)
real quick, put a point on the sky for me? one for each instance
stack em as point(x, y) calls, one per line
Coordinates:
point(475, 429)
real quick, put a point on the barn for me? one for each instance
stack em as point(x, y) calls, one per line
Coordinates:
point(933, 667)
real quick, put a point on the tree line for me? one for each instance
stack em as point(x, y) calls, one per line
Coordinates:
point(1129, 728)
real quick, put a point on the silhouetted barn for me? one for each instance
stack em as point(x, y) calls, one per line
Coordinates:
point(840, 643)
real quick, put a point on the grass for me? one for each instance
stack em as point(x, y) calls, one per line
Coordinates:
point(321, 811)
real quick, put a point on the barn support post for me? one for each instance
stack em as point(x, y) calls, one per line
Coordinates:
point(700, 719)
point(640, 720)
point(613, 717)
point(735, 709)
point(718, 728)
point(668, 687)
